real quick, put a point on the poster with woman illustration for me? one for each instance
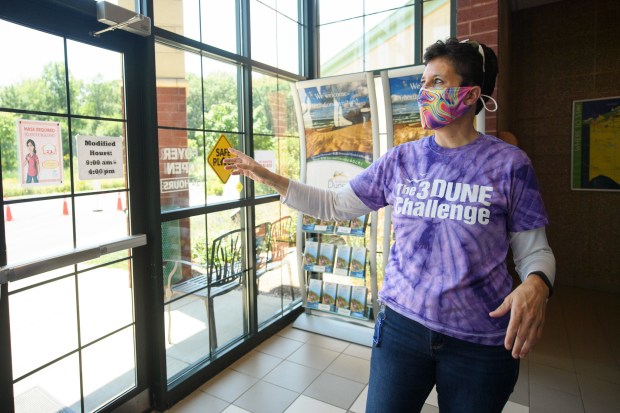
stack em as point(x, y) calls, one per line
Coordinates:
point(39, 152)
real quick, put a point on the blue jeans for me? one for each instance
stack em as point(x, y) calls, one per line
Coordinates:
point(410, 359)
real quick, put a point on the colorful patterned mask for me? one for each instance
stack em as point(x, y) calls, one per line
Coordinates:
point(439, 107)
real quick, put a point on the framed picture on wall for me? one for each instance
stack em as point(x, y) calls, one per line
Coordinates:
point(595, 161)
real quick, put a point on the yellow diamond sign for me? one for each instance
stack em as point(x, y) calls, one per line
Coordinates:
point(217, 156)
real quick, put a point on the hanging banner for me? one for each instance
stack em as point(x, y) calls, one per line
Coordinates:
point(99, 157)
point(337, 117)
point(400, 88)
point(596, 144)
point(39, 152)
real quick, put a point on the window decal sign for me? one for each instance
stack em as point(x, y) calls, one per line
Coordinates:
point(39, 152)
point(266, 159)
point(174, 168)
point(100, 157)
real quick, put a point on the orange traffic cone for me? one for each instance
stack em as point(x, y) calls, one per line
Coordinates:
point(8, 216)
point(119, 203)
point(65, 208)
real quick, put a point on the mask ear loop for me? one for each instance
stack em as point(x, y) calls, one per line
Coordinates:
point(484, 103)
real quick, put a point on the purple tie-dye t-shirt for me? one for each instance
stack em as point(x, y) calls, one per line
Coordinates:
point(452, 210)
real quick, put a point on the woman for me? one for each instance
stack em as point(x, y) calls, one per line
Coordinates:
point(459, 200)
point(32, 161)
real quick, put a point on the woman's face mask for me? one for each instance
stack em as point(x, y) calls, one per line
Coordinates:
point(439, 107)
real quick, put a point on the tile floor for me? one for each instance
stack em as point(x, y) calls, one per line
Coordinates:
point(574, 369)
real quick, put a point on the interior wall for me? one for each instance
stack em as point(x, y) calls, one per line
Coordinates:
point(563, 52)
point(504, 76)
point(479, 20)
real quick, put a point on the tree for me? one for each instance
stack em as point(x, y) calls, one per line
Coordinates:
point(48, 93)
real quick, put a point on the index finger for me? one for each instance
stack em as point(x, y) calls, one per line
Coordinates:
point(512, 330)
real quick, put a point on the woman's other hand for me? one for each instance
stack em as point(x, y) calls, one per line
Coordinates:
point(527, 304)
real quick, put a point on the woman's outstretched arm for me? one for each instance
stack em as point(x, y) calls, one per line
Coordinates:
point(241, 164)
point(320, 203)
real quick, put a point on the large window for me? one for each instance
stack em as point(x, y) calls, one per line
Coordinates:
point(358, 35)
point(198, 101)
point(275, 29)
point(63, 137)
point(224, 238)
point(205, 255)
point(205, 284)
point(277, 280)
point(211, 22)
point(274, 123)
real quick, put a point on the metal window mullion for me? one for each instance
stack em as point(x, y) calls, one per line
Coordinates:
point(250, 313)
point(6, 357)
point(252, 306)
point(6, 373)
point(240, 29)
point(73, 222)
point(79, 336)
point(453, 18)
point(151, 319)
point(244, 30)
point(364, 36)
point(418, 40)
point(311, 39)
point(69, 132)
point(55, 114)
point(205, 160)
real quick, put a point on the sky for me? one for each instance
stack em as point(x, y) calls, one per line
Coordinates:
point(30, 50)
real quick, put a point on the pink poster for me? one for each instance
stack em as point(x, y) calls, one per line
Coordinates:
point(39, 152)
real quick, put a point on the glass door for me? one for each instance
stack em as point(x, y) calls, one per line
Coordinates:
point(69, 260)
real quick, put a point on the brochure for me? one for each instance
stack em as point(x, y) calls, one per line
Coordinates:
point(325, 226)
point(358, 301)
point(328, 300)
point(308, 222)
point(343, 260)
point(343, 227)
point(358, 225)
point(343, 299)
point(314, 292)
point(358, 262)
point(326, 257)
point(311, 255)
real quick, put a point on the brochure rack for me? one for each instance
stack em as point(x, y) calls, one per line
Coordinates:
point(344, 291)
point(337, 264)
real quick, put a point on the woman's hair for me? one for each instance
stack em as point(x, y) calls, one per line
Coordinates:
point(34, 145)
point(468, 62)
